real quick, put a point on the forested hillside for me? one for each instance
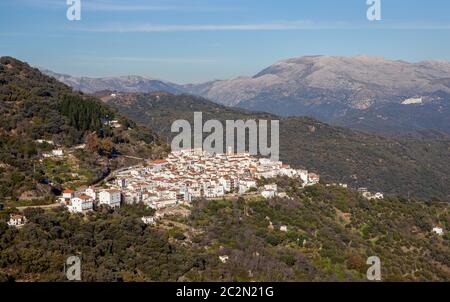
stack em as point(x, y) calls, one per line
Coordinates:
point(329, 234)
point(407, 166)
point(38, 115)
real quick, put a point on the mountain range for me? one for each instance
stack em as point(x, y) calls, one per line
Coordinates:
point(366, 93)
point(123, 83)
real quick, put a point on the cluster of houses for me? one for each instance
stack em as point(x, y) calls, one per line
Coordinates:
point(83, 201)
point(184, 176)
point(370, 195)
point(189, 174)
point(55, 153)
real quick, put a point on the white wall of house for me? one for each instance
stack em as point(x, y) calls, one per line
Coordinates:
point(80, 205)
point(111, 198)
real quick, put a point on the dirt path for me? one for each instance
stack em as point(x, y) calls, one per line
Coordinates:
point(45, 207)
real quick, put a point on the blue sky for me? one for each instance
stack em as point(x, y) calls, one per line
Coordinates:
point(199, 40)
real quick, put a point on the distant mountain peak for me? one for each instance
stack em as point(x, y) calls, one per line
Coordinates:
point(329, 88)
point(125, 83)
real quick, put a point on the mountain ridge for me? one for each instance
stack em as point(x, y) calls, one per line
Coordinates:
point(334, 89)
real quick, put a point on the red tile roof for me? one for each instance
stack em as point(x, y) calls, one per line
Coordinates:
point(159, 162)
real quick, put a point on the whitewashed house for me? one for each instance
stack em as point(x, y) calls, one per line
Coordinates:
point(228, 183)
point(91, 192)
point(287, 171)
point(370, 196)
point(111, 198)
point(81, 204)
point(162, 204)
point(303, 175)
point(67, 196)
point(284, 228)
point(224, 259)
point(149, 220)
point(438, 231)
point(282, 195)
point(58, 153)
point(268, 193)
point(246, 184)
point(17, 221)
point(133, 197)
point(313, 179)
point(273, 187)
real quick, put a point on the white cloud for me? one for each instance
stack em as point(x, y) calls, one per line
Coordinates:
point(274, 26)
point(163, 60)
point(143, 28)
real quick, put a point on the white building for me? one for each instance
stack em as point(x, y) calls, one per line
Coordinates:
point(91, 192)
point(133, 197)
point(162, 204)
point(273, 187)
point(284, 228)
point(246, 185)
point(58, 153)
point(439, 231)
point(17, 221)
point(149, 220)
point(42, 141)
point(303, 174)
point(371, 196)
point(67, 196)
point(224, 258)
point(268, 194)
point(81, 204)
point(282, 195)
point(313, 179)
point(228, 183)
point(111, 198)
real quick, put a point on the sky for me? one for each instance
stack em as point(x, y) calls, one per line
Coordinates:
point(192, 41)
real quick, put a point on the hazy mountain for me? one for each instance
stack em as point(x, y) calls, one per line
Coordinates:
point(358, 82)
point(341, 90)
point(122, 83)
point(366, 93)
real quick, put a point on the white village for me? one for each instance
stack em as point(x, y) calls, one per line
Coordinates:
point(185, 176)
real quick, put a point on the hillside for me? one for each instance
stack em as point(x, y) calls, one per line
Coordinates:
point(330, 233)
point(406, 166)
point(41, 115)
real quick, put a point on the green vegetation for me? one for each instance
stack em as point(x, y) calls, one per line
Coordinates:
point(330, 234)
point(83, 114)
